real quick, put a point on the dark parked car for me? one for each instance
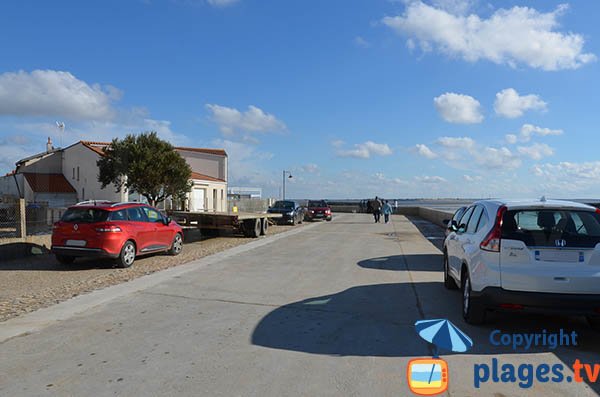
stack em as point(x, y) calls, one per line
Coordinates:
point(291, 211)
point(318, 209)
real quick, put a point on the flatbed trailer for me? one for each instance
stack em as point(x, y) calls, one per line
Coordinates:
point(248, 223)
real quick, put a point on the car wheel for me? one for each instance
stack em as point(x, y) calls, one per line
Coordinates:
point(177, 245)
point(127, 255)
point(594, 322)
point(473, 313)
point(65, 259)
point(449, 282)
point(329, 219)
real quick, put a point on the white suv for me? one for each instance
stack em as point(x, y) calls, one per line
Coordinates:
point(539, 256)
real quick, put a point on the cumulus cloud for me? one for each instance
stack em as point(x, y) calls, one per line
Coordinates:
point(537, 151)
point(430, 179)
point(528, 130)
point(458, 108)
point(361, 42)
point(515, 36)
point(311, 168)
point(511, 139)
point(365, 150)
point(452, 142)
point(425, 151)
point(472, 178)
point(232, 121)
point(55, 94)
point(568, 177)
point(510, 104)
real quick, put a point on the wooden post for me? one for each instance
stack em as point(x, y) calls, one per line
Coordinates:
point(22, 219)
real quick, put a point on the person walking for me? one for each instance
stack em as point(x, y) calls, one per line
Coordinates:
point(376, 208)
point(387, 211)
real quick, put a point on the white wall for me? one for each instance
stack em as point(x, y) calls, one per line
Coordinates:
point(86, 181)
point(210, 188)
point(206, 163)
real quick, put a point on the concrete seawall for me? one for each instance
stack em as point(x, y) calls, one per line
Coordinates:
point(432, 215)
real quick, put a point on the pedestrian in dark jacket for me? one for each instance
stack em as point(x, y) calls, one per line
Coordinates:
point(376, 208)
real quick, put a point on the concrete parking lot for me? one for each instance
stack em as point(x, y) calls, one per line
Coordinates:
point(327, 311)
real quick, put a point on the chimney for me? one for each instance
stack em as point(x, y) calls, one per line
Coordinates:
point(49, 146)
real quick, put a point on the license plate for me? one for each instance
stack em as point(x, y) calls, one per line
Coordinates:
point(76, 243)
point(559, 256)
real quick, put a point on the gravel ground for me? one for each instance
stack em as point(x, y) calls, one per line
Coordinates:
point(34, 282)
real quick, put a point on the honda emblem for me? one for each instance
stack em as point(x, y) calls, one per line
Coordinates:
point(75, 227)
point(560, 243)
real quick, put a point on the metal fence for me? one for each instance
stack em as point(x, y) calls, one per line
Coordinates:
point(10, 220)
point(20, 219)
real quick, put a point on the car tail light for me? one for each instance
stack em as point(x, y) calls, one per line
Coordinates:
point(108, 229)
point(56, 226)
point(597, 210)
point(491, 242)
point(512, 306)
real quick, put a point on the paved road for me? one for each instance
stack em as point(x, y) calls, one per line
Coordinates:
point(328, 311)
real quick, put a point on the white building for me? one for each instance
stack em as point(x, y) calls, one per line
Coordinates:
point(65, 176)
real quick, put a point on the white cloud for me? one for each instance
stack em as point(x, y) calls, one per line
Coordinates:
point(451, 142)
point(458, 108)
point(537, 151)
point(430, 179)
point(365, 150)
point(221, 3)
point(311, 168)
point(231, 120)
point(475, 178)
point(512, 105)
point(457, 7)
point(361, 42)
point(528, 130)
point(568, 177)
point(496, 158)
point(55, 94)
point(425, 151)
point(511, 139)
point(337, 143)
point(519, 35)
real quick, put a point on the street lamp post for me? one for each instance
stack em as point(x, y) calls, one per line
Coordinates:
point(289, 176)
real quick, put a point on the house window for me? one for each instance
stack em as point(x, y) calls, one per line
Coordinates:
point(221, 194)
point(77, 173)
point(73, 172)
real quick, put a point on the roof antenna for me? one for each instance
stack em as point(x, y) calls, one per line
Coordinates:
point(543, 199)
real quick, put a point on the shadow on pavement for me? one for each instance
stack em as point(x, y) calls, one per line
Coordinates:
point(378, 321)
point(414, 262)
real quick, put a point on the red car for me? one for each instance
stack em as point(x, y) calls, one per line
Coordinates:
point(114, 230)
point(318, 209)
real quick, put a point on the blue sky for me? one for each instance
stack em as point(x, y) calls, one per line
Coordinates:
point(439, 98)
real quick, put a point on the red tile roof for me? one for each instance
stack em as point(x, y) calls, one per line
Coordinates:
point(49, 183)
point(98, 147)
point(199, 176)
point(218, 152)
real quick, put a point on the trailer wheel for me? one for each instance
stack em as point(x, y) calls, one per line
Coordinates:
point(264, 222)
point(252, 227)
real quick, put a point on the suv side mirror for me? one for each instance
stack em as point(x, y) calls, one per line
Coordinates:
point(452, 225)
point(167, 221)
point(462, 228)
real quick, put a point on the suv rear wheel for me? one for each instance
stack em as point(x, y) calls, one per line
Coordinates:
point(127, 255)
point(449, 282)
point(473, 313)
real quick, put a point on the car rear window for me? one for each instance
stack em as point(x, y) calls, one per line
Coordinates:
point(284, 204)
point(550, 227)
point(317, 203)
point(84, 215)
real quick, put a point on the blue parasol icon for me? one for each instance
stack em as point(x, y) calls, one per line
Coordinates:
point(443, 335)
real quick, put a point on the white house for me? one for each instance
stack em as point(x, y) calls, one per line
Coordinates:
point(64, 176)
